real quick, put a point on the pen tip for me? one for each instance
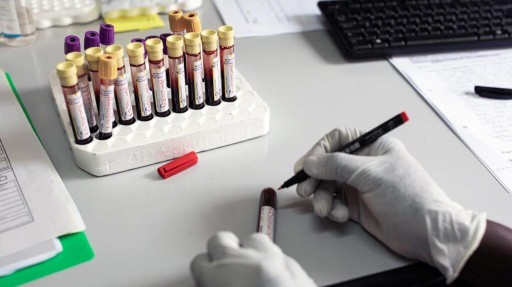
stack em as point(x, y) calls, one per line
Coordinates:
point(280, 188)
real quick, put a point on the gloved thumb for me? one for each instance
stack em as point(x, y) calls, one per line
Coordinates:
point(334, 166)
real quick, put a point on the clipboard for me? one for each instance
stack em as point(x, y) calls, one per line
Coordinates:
point(75, 247)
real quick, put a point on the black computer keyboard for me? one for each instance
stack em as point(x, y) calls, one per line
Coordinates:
point(380, 28)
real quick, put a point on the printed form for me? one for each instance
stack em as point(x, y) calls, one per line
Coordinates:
point(35, 207)
point(270, 17)
point(447, 82)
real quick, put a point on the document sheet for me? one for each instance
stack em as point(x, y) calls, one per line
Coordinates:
point(34, 203)
point(447, 82)
point(270, 17)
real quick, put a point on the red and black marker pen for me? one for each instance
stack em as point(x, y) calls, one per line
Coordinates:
point(267, 212)
point(357, 144)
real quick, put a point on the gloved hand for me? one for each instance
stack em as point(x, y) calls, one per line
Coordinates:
point(393, 198)
point(256, 262)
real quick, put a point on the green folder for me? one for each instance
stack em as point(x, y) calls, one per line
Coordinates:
point(75, 247)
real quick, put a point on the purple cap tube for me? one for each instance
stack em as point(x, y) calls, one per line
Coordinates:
point(71, 44)
point(163, 37)
point(106, 34)
point(91, 39)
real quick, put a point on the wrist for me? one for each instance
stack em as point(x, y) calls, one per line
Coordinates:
point(454, 235)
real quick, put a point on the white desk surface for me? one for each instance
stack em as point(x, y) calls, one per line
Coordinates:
point(145, 230)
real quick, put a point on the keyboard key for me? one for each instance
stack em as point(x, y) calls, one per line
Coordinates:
point(441, 39)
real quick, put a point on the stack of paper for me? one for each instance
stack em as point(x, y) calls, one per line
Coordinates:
point(447, 82)
point(35, 207)
point(270, 17)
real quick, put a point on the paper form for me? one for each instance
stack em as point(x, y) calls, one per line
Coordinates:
point(270, 17)
point(35, 206)
point(447, 82)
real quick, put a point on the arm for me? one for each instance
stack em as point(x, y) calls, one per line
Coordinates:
point(491, 264)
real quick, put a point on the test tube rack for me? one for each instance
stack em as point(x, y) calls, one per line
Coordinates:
point(162, 139)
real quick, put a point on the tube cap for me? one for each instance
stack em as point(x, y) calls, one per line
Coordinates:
point(108, 67)
point(175, 45)
point(107, 34)
point(176, 21)
point(154, 48)
point(91, 39)
point(210, 40)
point(135, 51)
point(93, 57)
point(192, 42)
point(226, 36)
point(140, 40)
point(78, 59)
point(71, 44)
point(192, 22)
point(163, 37)
point(116, 50)
point(67, 73)
point(178, 165)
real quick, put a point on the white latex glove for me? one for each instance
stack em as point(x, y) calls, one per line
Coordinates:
point(393, 198)
point(256, 262)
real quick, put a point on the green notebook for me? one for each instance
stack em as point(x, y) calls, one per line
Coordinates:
point(75, 247)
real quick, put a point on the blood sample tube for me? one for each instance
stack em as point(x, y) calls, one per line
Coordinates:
point(93, 55)
point(194, 68)
point(176, 22)
point(108, 73)
point(163, 37)
point(227, 62)
point(83, 84)
point(93, 59)
point(107, 35)
point(91, 39)
point(267, 212)
point(192, 22)
point(157, 73)
point(177, 74)
point(71, 44)
point(135, 53)
point(212, 82)
point(74, 104)
point(121, 89)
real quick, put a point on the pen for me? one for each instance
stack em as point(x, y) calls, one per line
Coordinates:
point(267, 212)
point(493, 93)
point(355, 145)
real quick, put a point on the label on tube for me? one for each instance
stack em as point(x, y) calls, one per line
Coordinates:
point(123, 96)
point(83, 85)
point(182, 86)
point(143, 91)
point(198, 82)
point(106, 108)
point(229, 75)
point(78, 116)
point(160, 89)
point(217, 86)
point(267, 218)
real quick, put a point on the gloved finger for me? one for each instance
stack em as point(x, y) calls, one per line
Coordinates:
point(199, 266)
point(297, 272)
point(223, 244)
point(339, 211)
point(334, 166)
point(307, 187)
point(323, 198)
point(330, 142)
point(262, 243)
point(335, 139)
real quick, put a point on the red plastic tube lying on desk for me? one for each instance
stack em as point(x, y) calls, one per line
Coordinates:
point(178, 165)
